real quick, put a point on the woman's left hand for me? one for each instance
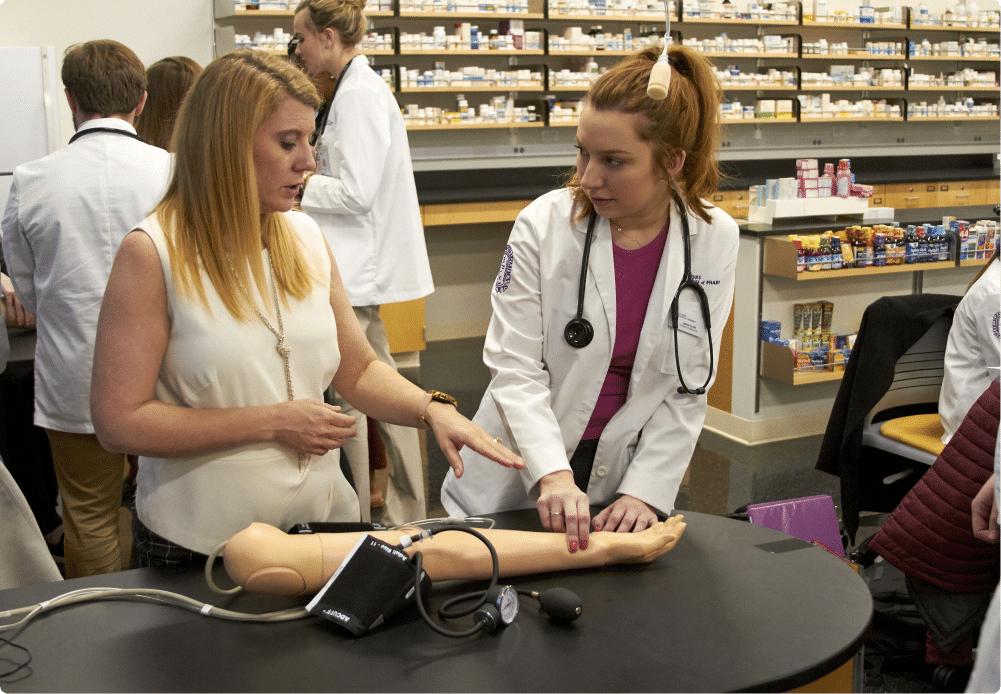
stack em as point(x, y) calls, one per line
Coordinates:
point(454, 431)
point(627, 514)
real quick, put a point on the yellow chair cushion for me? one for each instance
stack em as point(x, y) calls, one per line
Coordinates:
point(921, 431)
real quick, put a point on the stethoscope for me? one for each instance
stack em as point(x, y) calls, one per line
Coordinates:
point(579, 332)
point(114, 131)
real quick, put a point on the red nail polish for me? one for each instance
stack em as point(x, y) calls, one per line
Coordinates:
point(573, 545)
point(583, 544)
point(597, 527)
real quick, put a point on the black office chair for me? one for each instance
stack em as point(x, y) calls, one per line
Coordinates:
point(894, 371)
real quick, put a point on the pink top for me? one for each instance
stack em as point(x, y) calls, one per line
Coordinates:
point(635, 272)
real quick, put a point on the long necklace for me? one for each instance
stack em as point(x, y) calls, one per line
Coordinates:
point(283, 347)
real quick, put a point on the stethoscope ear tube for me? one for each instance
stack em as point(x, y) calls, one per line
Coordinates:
point(579, 332)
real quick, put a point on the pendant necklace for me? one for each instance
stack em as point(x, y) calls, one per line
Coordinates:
point(282, 347)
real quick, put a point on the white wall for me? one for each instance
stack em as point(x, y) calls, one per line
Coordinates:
point(154, 30)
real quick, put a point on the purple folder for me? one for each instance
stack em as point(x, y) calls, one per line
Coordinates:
point(811, 518)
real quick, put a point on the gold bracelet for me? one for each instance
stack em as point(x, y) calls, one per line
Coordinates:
point(436, 396)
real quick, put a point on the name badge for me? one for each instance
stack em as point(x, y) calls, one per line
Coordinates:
point(689, 316)
point(691, 322)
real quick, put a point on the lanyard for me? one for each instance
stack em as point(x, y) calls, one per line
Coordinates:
point(322, 125)
point(116, 131)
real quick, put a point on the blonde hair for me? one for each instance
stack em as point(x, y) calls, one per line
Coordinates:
point(211, 210)
point(168, 80)
point(346, 16)
point(687, 121)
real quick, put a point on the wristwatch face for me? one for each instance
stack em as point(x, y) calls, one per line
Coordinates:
point(507, 604)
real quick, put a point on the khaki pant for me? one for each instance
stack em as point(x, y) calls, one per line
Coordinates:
point(406, 499)
point(90, 485)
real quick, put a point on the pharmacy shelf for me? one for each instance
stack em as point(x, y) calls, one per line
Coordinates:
point(473, 126)
point(596, 54)
point(781, 257)
point(977, 262)
point(408, 14)
point(945, 88)
point(462, 89)
point(929, 119)
point(851, 119)
point(954, 58)
point(854, 55)
point(735, 21)
point(251, 14)
point(750, 55)
point(972, 30)
point(650, 16)
point(854, 25)
point(757, 121)
point(760, 88)
point(849, 88)
point(441, 52)
point(778, 362)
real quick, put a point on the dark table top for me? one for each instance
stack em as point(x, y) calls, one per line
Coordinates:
point(732, 607)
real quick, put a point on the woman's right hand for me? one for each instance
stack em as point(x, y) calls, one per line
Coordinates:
point(312, 427)
point(563, 507)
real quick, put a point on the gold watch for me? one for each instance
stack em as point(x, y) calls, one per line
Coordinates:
point(438, 396)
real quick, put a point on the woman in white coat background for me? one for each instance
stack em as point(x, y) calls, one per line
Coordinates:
point(605, 423)
point(973, 352)
point(364, 198)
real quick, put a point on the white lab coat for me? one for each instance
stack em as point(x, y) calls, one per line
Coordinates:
point(542, 391)
point(364, 197)
point(973, 348)
point(65, 218)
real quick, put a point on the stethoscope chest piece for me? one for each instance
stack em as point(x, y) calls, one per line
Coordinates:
point(579, 332)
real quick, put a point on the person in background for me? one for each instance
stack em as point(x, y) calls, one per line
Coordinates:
point(224, 321)
point(168, 81)
point(613, 419)
point(986, 674)
point(66, 215)
point(364, 198)
point(973, 351)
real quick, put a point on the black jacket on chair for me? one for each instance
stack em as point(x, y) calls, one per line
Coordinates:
point(889, 327)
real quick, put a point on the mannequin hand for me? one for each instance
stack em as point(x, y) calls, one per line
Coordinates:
point(985, 513)
point(564, 508)
point(312, 427)
point(645, 546)
point(453, 431)
point(626, 514)
point(15, 315)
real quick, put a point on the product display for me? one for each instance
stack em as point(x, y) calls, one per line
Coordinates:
point(813, 345)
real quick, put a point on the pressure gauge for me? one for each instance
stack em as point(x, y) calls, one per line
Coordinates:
point(505, 599)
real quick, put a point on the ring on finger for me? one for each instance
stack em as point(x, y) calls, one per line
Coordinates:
point(556, 513)
point(498, 440)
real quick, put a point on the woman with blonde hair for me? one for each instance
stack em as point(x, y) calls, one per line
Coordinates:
point(608, 312)
point(224, 321)
point(364, 198)
point(168, 80)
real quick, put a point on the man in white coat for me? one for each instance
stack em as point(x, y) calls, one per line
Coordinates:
point(66, 216)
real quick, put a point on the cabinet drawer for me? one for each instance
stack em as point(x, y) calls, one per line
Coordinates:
point(733, 202)
point(958, 193)
point(901, 196)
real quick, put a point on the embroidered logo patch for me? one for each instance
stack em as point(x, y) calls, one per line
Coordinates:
point(995, 324)
point(504, 276)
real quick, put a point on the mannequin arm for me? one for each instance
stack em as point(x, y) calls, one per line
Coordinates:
point(263, 559)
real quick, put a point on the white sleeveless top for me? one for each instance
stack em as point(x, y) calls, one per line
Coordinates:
point(215, 361)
